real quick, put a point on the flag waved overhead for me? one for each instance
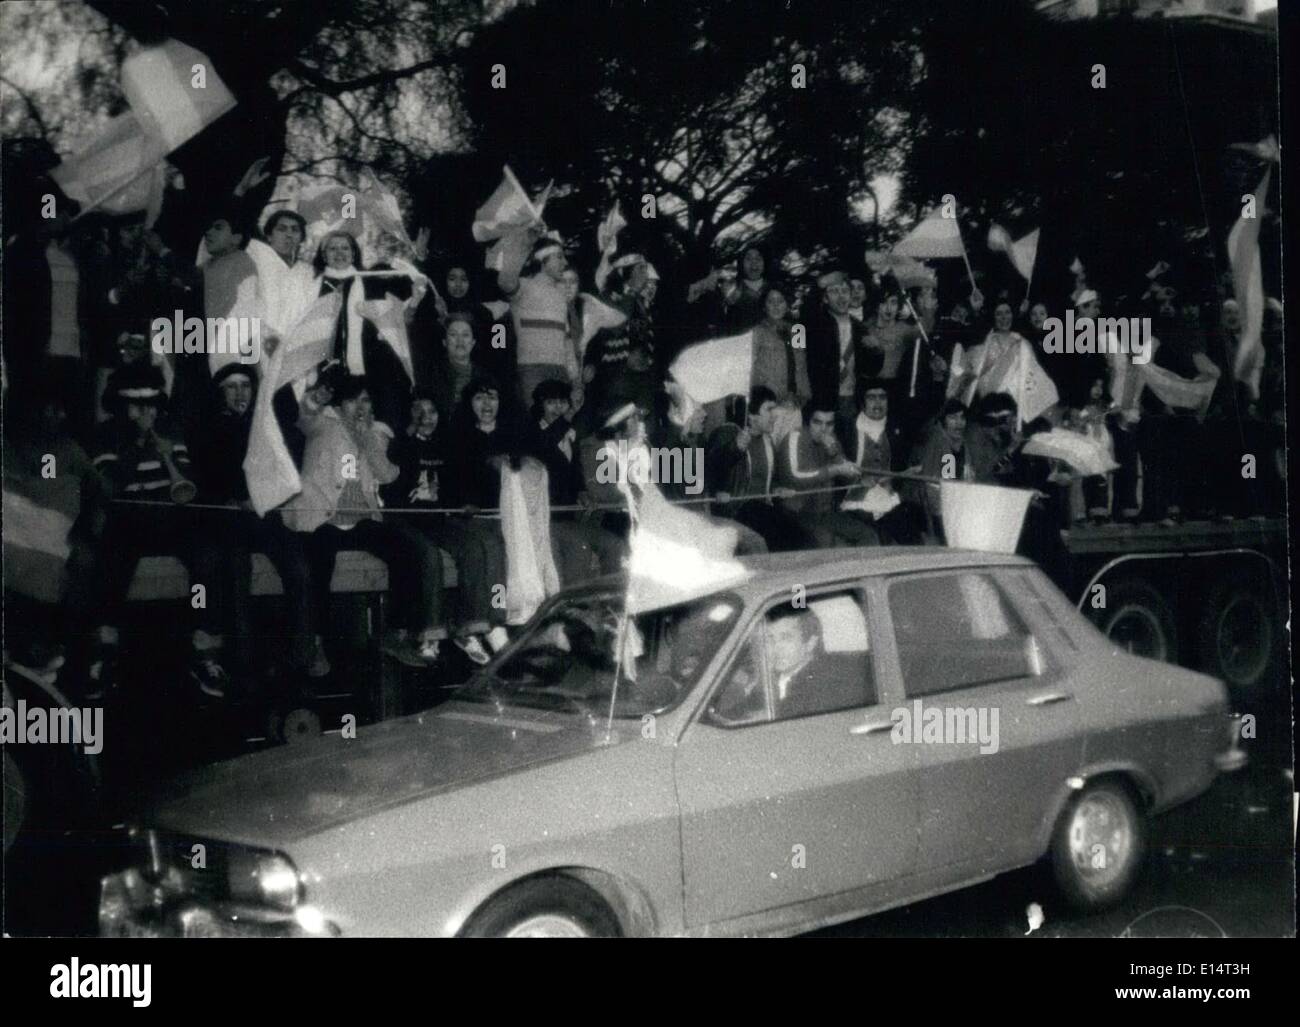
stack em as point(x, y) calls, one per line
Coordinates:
point(716, 369)
point(935, 236)
point(175, 91)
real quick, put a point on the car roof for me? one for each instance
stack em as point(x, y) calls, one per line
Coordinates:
point(818, 566)
point(826, 564)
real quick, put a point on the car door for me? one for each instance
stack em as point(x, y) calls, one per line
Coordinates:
point(989, 713)
point(791, 800)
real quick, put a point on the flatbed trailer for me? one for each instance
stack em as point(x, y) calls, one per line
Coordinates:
point(1210, 595)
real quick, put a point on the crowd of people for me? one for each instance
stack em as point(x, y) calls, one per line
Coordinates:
point(531, 377)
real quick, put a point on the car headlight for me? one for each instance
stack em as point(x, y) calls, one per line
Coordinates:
point(264, 878)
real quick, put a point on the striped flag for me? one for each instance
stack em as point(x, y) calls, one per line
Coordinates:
point(272, 476)
point(120, 171)
point(1248, 281)
point(717, 368)
point(935, 236)
point(504, 219)
point(175, 91)
point(596, 314)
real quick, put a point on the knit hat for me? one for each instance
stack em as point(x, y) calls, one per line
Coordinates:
point(138, 383)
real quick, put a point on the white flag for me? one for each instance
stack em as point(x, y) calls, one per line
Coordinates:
point(175, 91)
point(715, 369)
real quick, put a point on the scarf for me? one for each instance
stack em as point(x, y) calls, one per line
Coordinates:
point(348, 336)
point(872, 429)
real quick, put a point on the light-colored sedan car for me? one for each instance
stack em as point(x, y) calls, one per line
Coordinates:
point(838, 733)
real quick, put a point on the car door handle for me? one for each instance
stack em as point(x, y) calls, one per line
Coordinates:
point(1047, 698)
point(871, 729)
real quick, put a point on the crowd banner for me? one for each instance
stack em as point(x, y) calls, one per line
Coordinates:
point(984, 517)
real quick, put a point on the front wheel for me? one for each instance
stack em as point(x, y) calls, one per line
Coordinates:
point(546, 907)
point(1098, 846)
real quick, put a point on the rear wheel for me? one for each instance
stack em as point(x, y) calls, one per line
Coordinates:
point(1098, 846)
point(1138, 619)
point(1237, 633)
point(545, 907)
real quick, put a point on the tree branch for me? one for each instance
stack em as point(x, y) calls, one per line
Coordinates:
point(335, 88)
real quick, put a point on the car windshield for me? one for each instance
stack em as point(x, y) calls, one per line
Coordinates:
point(569, 657)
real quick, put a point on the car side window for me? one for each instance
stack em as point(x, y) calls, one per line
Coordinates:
point(800, 661)
point(957, 631)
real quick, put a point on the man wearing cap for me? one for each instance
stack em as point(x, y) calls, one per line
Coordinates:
point(149, 472)
point(836, 358)
point(541, 316)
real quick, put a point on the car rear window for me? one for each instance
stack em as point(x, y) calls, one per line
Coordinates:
point(956, 630)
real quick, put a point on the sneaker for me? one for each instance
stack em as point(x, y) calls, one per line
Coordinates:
point(408, 651)
point(497, 638)
point(472, 646)
point(210, 676)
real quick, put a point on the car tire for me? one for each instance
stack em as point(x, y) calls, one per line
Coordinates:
point(1139, 619)
point(556, 907)
point(1237, 633)
point(1099, 845)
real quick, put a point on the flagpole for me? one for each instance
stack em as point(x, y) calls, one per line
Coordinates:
point(113, 194)
point(969, 272)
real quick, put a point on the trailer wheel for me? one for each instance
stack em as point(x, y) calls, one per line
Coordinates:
point(1138, 619)
point(1237, 631)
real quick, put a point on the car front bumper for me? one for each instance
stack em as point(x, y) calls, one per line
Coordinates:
point(132, 905)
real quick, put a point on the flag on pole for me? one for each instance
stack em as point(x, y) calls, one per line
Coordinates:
point(175, 91)
point(907, 272)
point(675, 554)
point(717, 368)
point(1022, 252)
point(935, 236)
point(120, 171)
point(596, 314)
point(507, 210)
point(272, 476)
point(985, 517)
point(1248, 279)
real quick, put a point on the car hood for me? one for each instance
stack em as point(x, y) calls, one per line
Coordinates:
point(294, 791)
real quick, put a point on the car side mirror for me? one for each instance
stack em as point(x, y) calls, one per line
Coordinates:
point(1033, 657)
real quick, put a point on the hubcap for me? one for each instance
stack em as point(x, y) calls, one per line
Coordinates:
point(1243, 640)
point(548, 925)
point(1101, 838)
point(1137, 631)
